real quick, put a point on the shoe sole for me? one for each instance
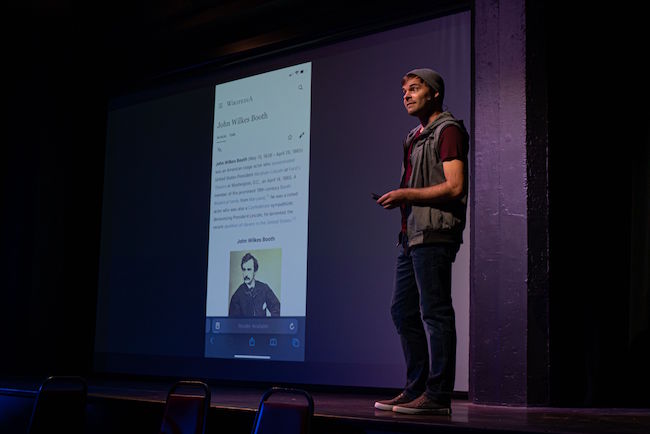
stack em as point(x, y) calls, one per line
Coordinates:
point(386, 407)
point(437, 411)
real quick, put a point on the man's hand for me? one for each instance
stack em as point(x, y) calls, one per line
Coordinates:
point(393, 199)
point(450, 189)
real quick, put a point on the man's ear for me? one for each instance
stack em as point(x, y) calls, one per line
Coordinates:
point(435, 95)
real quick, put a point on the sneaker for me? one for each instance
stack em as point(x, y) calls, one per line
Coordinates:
point(423, 405)
point(388, 404)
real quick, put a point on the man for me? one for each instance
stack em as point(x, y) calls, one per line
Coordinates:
point(433, 200)
point(253, 298)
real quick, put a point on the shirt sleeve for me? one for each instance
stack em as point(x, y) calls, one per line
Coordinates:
point(451, 144)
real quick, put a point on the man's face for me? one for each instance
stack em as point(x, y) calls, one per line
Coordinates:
point(248, 270)
point(417, 96)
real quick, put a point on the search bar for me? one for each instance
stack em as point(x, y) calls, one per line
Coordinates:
point(277, 326)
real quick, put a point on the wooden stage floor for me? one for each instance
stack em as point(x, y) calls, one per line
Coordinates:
point(136, 406)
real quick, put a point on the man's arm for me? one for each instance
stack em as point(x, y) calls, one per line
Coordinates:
point(272, 302)
point(234, 309)
point(451, 188)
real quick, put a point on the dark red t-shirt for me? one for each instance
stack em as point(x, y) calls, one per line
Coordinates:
point(451, 148)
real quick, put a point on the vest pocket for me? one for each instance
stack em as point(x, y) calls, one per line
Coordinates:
point(420, 218)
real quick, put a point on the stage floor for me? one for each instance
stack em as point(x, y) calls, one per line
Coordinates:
point(354, 412)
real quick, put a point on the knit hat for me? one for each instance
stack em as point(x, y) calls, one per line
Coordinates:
point(432, 78)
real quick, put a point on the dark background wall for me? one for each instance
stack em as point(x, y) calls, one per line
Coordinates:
point(599, 216)
point(62, 59)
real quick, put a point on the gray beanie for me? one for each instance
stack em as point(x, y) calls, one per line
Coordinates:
point(432, 78)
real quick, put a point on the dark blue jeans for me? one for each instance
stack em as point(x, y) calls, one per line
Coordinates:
point(422, 301)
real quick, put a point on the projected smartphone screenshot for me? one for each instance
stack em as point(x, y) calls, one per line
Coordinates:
point(257, 253)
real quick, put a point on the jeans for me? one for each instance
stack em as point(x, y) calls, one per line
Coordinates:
point(422, 301)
